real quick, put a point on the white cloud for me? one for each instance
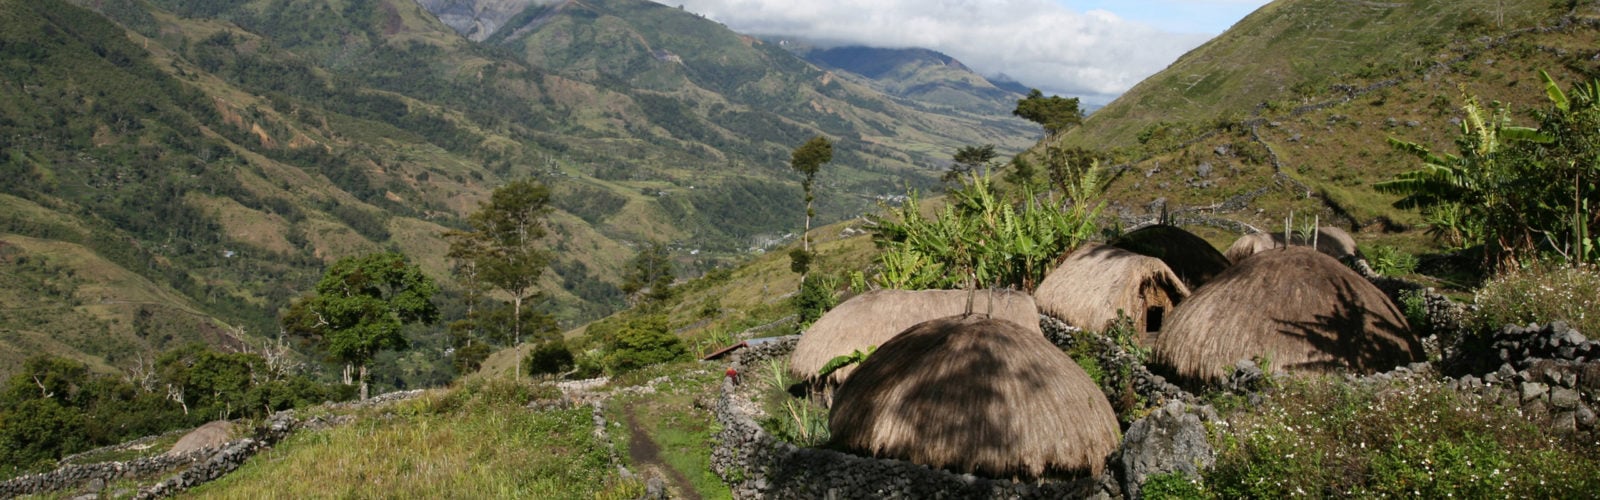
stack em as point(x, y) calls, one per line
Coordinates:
point(1095, 55)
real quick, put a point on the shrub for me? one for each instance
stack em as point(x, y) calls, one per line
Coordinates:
point(1391, 261)
point(548, 358)
point(1540, 293)
point(817, 295)
point(644, 341)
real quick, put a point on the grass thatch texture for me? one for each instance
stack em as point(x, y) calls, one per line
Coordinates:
point(212, 434)
point(1295, 307)
point(1190, 257)
point(976, 394)
point(1097, 280)
point(872, 318)
point(1331, 240)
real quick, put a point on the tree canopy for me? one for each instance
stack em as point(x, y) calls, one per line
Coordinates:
point(1055, 113)
point(360, 305)
point(503, 249)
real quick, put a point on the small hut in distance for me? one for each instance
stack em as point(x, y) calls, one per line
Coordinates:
point(976, 394)
point(1299, 309)
point(872, 318)
point(1331, 241)
point(1096, 281)
point(1190, 257)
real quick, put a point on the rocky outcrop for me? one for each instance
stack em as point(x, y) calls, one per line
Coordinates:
point(1172, 439)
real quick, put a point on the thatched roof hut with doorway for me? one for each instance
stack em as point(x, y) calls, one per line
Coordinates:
point(1331, 241)
point(977, 395)
point(1297, 308)
point(1097, 280)
point(874, 317)
point(1190, 257)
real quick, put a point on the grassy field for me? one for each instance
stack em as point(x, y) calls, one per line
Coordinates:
point(461, 443)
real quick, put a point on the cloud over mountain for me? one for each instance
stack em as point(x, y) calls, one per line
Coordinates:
point(1095, 55)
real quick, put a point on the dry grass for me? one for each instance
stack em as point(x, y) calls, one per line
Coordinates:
point(1332, 241)
point(1188, 255)
point(976, 394)
point(1294, 307)
point(872, 318)
point(1097, 281)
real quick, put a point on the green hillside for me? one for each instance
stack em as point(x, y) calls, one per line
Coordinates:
point(190, 167)
point(1291, 108)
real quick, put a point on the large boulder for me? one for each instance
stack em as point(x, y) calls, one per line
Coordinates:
point(1172, 439)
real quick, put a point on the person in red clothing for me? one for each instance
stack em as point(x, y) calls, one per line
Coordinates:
point(733, 375)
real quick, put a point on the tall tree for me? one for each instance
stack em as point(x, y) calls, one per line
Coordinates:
point(968, 160)
point(1055, 113)
point(808, 160)
point(650, 274)
point(360, 305)
point(504, 244)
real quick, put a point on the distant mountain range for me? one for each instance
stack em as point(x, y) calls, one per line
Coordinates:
point(180, 170)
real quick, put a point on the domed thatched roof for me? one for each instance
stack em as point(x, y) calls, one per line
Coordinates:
point(211, 434)
point(1190, 257)
point(1097, 280)
point(976, 394)
point(1302, 310)
point(872, 318)
point(1331, 240)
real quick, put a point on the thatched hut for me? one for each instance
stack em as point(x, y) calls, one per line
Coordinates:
point(976, 394)
point(1331, 240)
point(1295, 307)
point(215, 433)
point(1190, 257)
point(872, 318)
point(1097, 280)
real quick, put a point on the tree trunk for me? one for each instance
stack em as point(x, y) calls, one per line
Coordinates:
point(363, 381)
point(516, 335)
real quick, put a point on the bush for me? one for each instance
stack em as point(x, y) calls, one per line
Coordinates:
point(548, 358)
point(818, 294)
point(1540, 293)
point(1391, 261)
point(644, 341)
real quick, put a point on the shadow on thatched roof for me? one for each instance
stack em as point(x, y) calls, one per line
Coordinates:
point(872, 318)
point(1095, 282)
point(1190, 257)
point(976, 394)
point(1331, 241)
point(1295, 307)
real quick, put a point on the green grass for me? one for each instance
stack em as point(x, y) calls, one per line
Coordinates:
point(480, 447)
point(1325, 437)
point(682, 432)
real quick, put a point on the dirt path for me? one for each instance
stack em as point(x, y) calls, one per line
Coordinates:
point(646, 453)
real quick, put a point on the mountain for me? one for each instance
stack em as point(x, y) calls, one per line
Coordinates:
point(1291, 108)
point(178, 171)
point(921, 76)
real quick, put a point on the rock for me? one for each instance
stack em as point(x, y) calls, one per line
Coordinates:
point(1564, 421)
point(1246, 376)
point(1589, 377)
point(1533, 390)
point(1171, 439)
point(655, 489)
point(1203, 170)
point(1585, 417)
point(1564, 399)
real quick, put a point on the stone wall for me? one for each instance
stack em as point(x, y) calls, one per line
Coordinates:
point(758, 465)
point(199, 466)
point(1551, 372)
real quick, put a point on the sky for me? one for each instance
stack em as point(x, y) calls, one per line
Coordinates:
point(1091, 49)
